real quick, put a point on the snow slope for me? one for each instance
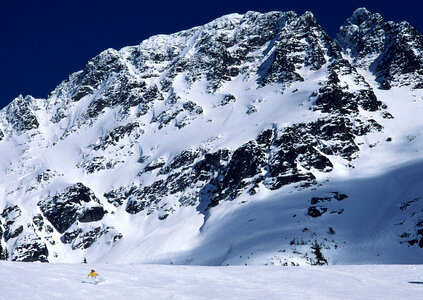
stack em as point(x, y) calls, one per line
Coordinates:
point(278, 230)
point(63, 281)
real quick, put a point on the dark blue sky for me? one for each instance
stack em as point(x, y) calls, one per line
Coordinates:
point(44, 41)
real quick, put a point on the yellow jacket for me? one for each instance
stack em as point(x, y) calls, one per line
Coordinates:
point(93, 274)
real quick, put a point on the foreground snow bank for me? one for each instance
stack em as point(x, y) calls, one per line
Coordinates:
point(63, 281)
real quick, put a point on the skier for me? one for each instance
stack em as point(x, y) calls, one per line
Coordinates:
point(93, 274)
point(93, 278)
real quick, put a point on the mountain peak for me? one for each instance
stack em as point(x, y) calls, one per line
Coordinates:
point(308, 14)
point(391, 51)
point(359, 16)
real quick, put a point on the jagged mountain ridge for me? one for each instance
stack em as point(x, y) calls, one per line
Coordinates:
point(390, 50)
point(144, 150)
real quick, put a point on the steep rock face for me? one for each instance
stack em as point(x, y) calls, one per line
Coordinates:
point(75, 212)
point(82, 237)
point(10, 214)
point(20, 115)
point(76, 202)
point(30, 248)
point(393, 52)
point(302, 42)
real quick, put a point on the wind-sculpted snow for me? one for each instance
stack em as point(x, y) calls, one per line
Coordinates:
point(217, 145)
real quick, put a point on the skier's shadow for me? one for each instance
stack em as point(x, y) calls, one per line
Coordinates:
point(416, 282)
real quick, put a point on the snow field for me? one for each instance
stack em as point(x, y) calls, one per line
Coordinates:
point(63, 281)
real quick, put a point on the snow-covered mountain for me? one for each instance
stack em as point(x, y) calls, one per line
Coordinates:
point(254, 139)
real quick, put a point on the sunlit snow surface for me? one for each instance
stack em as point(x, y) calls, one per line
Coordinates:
point(63, 281)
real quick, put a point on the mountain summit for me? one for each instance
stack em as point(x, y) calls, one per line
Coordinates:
point(391, 51)
point(254, 139)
